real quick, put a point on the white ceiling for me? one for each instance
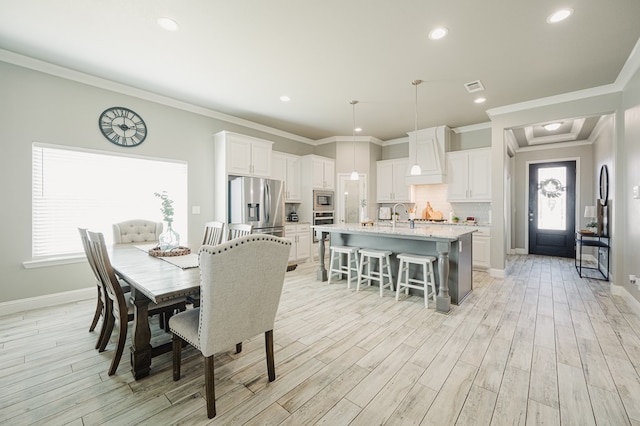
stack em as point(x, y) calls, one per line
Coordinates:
point(238, 57)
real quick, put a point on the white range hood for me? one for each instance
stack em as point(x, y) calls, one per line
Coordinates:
point(429, 145)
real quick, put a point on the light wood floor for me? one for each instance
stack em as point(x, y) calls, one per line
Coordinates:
point(539, 347)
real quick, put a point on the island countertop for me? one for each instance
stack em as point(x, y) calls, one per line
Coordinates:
point(428, 233)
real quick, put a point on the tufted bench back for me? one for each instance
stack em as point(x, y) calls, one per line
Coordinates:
point(135, 231)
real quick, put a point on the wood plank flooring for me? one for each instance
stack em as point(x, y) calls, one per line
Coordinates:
point(541, 346)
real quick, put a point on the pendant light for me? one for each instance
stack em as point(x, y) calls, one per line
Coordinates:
point(354, 173)
point(415, 169)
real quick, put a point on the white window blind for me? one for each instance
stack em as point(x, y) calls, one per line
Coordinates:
point(77, 188)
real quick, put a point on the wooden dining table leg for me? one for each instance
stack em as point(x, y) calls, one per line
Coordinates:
point(141, 339)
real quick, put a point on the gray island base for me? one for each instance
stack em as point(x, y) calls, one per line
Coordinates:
point(450, 244)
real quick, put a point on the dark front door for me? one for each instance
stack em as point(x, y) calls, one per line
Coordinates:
point(552, 204)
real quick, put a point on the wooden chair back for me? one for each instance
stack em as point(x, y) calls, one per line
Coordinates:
point(213, 233)
point(238, 230)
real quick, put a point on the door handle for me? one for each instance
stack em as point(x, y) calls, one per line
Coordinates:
point(530, 216)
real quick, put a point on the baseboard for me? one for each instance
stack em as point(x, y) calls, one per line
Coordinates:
point(633, 303)
point(521, 251)
point(496, 273)
point(20, 305)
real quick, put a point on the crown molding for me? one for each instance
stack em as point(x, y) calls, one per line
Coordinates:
point(101, 83)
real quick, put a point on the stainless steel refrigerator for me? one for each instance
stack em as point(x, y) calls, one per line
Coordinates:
point(259, 202)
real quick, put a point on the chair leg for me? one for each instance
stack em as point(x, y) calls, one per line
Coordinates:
point(209, 386)
point(98, 313)
point(107, 328)
point(177, 356)
point(238, 347)
point(122, 338)
point(271, 365)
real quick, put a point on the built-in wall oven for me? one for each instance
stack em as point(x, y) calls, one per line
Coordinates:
point(322, 218)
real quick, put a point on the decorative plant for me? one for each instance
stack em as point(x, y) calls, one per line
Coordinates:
point(167, 206)
point(592, 224)
point(455, 219)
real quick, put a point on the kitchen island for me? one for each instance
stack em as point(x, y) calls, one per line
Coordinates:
point(450, 244)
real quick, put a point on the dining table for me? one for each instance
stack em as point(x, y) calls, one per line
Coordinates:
point(152, 279)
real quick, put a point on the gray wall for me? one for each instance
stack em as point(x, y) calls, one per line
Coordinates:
point(38, 107)
point(627, 176)
point(480, 138)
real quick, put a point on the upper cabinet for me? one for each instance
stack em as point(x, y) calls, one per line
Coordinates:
point(427, 148)
point(322, 171)
point(244, 155)
point(391, 186)
point(286, 167)
point(469, 175)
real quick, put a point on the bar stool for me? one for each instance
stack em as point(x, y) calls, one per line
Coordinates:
point(428, 279)
point(351, 266)
point(382, 256)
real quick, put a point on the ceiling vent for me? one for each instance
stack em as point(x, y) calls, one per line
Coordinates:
point(474, 86)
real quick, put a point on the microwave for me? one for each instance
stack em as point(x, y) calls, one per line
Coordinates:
point(322, 200)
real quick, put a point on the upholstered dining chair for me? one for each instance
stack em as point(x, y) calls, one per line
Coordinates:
point(100, 306)
point(238, 230)
point(241, 284)
point(213, 233)
point(118, 307)
point(136, 231)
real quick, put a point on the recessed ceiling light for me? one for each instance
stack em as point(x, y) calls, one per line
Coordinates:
point(285, 98)
point(559, 15)
point(358, 129)
point(438, 33)
point(480, 100)
point(552, 126)
point(168, 24)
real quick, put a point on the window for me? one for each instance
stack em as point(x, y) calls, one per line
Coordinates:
point(74, 188)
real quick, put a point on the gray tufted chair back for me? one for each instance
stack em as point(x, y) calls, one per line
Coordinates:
point(136, 231)
point(241, 287)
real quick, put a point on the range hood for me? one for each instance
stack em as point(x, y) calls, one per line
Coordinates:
point(429, 145)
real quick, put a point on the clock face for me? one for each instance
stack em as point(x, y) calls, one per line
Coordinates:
point(122, 126)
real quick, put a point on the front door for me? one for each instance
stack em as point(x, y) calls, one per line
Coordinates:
point(552, 204)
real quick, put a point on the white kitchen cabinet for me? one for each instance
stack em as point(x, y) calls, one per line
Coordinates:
point(481, 243)
point(286, 167)
point(391, 185)
point(322, 171)
point(469, 175)
point(300, 236)
point(244, 155)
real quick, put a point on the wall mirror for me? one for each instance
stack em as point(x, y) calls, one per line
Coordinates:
point(604, 185)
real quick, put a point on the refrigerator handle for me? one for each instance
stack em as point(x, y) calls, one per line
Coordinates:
point(267, 207)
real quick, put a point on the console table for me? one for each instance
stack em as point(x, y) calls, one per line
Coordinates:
point(602, 245)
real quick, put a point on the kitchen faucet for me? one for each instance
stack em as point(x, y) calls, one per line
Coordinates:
point(393, 213)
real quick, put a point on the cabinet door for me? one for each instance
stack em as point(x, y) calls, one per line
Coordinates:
point(401, 191)
point(481, 254)
point(293, 179)
point(279, 167)
point(261, 159)
point(318, 174)
point(457, 177)
point(384, 190)
point(304, 242)
point(480, 175)
point(329, 175)
point(238, 156)
point(291, 234)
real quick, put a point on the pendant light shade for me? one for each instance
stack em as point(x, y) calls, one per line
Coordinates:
point(354, 173)
point(415, 169)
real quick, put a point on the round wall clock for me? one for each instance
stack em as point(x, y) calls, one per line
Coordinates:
point(122, 126)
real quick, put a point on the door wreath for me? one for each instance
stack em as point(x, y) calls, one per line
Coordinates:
point(551, 188)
